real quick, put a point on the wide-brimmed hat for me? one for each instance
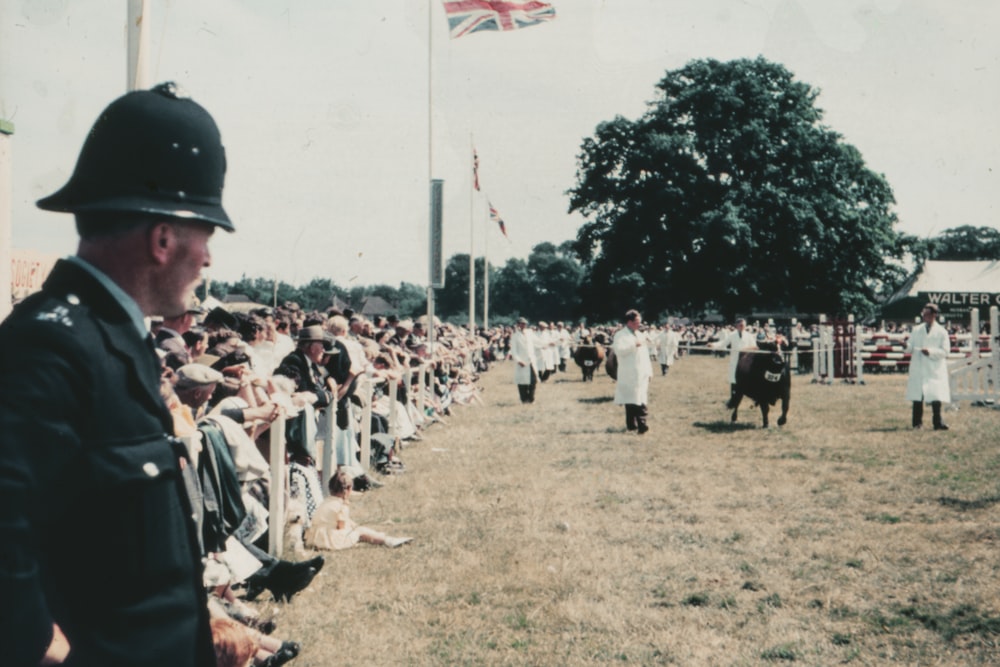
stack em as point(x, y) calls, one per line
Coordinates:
point(313, 332)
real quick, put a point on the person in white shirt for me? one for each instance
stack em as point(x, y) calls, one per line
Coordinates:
point(667, 344)
point(564, 345)
point(928, 380)
point(634, 371)
point(737, 340)
point(522, 352)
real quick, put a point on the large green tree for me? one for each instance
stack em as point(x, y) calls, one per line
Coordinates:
point(729, 193)
point(965, 243)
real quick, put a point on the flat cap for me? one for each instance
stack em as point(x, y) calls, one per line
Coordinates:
point(190, 376)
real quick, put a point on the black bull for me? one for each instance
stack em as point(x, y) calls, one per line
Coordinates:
point(763, 377)
point(588, 356)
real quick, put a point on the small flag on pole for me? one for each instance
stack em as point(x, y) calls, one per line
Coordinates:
point(495, 217)
point(468, 16)
point(475, 170)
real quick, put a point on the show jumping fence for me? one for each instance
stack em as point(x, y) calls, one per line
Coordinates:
point(975, 375)
point(843, 350)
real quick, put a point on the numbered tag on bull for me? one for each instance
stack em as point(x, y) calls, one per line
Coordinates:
point(772, 377)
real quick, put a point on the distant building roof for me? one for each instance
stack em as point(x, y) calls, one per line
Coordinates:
point(339, 304)
point(376, 305)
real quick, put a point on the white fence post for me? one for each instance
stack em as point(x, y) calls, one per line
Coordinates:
point(859, 360)
point(329, 417)
point(365, 386)
point(276, 508)
point(392, 388)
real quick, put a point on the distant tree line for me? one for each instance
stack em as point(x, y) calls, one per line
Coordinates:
point(545, 286)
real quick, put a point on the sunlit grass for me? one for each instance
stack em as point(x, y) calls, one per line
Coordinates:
point(546, 535)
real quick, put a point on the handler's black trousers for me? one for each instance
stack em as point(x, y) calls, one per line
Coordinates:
point(635, 417)
point(527, 391)
point(918, 413)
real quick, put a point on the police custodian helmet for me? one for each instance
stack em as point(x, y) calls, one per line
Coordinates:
point(150, 151)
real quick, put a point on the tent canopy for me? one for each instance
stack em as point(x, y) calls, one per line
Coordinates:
point(955, 287)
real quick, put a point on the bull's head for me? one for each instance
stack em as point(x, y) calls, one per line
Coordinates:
point(775, 367)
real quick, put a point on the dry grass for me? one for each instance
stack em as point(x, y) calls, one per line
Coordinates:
point(545, 535)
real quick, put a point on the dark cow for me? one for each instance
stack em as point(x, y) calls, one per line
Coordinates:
point(762, 376)
point(588, 355)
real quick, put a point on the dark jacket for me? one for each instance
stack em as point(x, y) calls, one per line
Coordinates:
point(95, 528)
point(308, 377)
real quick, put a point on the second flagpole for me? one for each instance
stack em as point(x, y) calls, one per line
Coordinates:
point(472, 239)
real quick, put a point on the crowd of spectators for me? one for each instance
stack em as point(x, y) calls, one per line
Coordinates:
point(229, 377)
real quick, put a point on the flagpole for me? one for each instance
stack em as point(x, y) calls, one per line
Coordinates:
point(430, 170)
point(486, 279)
point(472, 241)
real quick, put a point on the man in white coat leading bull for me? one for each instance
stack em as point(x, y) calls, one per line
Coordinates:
point(522, 352)
point(928, 381)
point(634, 371)
point(737, 340)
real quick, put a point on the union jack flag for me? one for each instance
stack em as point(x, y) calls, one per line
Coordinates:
point(468, 16)
point(495, 217)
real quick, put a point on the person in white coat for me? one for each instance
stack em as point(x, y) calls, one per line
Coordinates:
point(928, 380)
point(736, 340)
point(564, 345)
point(667, 344)
point(634, 371)
point(522, 352)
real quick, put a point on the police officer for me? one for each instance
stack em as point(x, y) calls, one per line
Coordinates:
point(99, 563)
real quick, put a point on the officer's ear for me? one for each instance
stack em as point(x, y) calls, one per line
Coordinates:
point(161, 241)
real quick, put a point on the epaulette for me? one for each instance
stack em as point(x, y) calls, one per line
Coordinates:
point(59, 310)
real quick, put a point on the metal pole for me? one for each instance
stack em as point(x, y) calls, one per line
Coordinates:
point(137, 71)
point(486, 281)
point(472, 243)
point(6, 279)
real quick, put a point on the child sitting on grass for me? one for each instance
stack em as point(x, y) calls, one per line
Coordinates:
point(332, 526)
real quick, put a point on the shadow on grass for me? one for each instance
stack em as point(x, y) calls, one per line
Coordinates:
point(590, 431)
point(721, 426)
point(596, 399)
point(966, 505)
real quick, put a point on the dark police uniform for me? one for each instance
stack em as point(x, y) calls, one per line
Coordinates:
point(95, 529)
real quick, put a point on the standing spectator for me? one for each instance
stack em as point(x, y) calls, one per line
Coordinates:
point(99, 561)
point(928, 379)
point(634, 371)
point(522, 351)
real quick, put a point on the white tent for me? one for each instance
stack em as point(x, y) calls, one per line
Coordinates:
point(955, 287)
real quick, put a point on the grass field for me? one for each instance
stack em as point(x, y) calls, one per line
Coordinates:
point(546, 535)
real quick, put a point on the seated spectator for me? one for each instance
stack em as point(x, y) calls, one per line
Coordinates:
point(332, 526)
point(236, 645)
